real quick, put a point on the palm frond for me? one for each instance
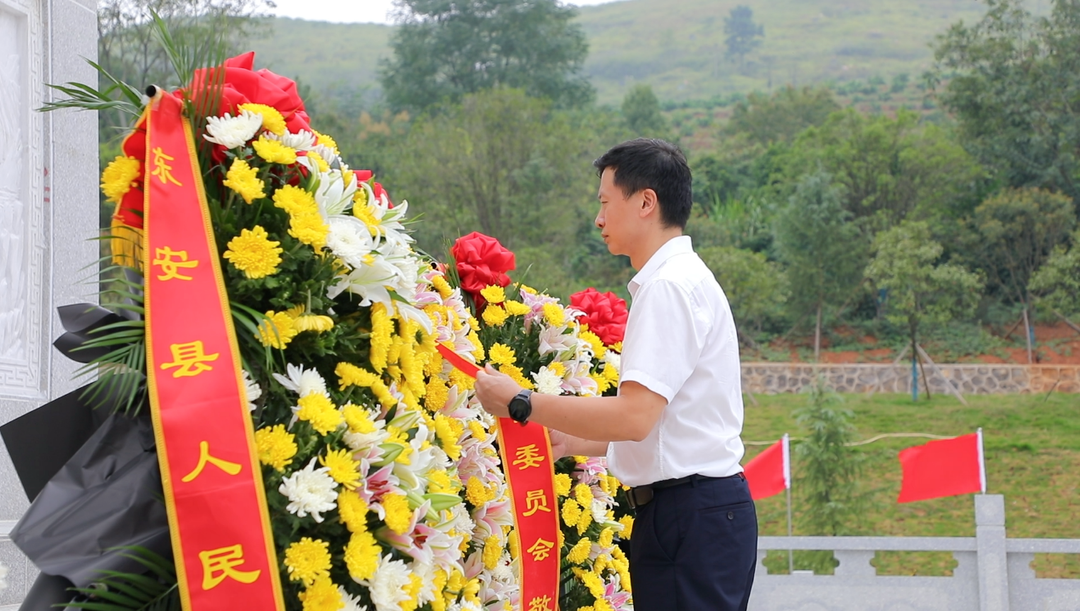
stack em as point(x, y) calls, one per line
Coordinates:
point(153, 590)
point(85, 97)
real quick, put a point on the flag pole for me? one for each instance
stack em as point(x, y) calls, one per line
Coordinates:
point(982, 462)
point(787, 489)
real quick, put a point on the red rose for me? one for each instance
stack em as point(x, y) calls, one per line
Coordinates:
point(481, 261)
point(604, 312)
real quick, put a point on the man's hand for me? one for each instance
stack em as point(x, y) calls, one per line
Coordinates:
point(559, 443)
point(495, 389)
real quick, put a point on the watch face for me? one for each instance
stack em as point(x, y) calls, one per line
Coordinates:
point(520, 408)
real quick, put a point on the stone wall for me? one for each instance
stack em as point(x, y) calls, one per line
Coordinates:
point(48, 219)
point(978, 379)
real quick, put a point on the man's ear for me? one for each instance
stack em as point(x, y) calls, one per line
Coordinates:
point(649, 203)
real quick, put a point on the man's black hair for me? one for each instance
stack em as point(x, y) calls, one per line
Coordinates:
point(648, 163)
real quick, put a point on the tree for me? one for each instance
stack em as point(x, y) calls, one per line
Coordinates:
point(741, 34)
point(1057, 282)
point(1011, 84)
point(890, 168)
point(920, 288)
point(641, 110)
point(1015, 231)
point(755, 287)
point(444, 50)
point(781, 116)
point(823, 250)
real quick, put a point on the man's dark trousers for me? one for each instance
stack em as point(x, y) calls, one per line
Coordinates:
point(694, 547)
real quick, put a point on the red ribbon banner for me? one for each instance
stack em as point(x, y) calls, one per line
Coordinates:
point(530, 473)
point(220, 529)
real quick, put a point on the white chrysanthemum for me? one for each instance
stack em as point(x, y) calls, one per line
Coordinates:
point(548, 382)
point(599, 511)
point(328, 154)
point(334, 195)
point(352, 603)
point(252, 389)
point(302, 381)
point(3, 577)
point(301, 141)
point(613, 358)
point(388, 585)
point(503, 571)
point(310, 491)
point(233, 132)
point(350, 240)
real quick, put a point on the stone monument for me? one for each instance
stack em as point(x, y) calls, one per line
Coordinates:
point(48, 219)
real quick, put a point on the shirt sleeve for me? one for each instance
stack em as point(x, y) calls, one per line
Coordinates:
point(664, 338)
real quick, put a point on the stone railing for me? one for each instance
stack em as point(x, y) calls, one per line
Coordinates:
point(993, 573)
point(772, 378)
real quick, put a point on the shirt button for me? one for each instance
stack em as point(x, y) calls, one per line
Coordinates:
point(731, 515)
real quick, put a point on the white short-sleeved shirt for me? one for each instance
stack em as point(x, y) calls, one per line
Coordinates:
point(681, 344)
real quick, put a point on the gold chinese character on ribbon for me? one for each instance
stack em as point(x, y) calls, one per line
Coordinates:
point(541, 549)
point(190, 358)
point(528, 456)
point(204, 457)
point(540, 603)
point(162, 169)
point(220, 564)
point(171, 261)
point(535, 500)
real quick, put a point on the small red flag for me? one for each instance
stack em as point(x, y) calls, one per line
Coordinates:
point(769, 473)
point(943, 468)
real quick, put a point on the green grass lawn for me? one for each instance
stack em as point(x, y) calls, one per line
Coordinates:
point(1032, 449)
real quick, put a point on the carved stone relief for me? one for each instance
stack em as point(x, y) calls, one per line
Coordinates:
point(21, 203)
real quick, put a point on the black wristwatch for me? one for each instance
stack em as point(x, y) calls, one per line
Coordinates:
point(521, 406)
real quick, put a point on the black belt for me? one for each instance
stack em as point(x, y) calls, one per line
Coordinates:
point(643, 495)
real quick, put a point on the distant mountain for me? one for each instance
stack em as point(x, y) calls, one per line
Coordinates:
point(677, 46)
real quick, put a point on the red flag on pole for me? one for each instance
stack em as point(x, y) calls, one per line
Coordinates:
point(943, 468)
point(769, 473)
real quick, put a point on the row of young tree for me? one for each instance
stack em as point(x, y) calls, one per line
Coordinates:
point(810, 214)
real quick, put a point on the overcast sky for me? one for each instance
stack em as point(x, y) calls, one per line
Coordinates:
point(353, 11)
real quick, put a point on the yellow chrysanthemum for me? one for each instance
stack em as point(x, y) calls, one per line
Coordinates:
point(273, 151)
point(307, 560)
point(557, 368)
point(477, 493)
point(584, 521)
point(571, 512)
point(439, 481)
point(580, 552)
point(436, 395)
point(583, 494)
point(627, 522)
point(594, 341)
point(416, 585)
point(516, 308)
point(501, 354)
point(254, 253)
point(310, 322)
point(478, 348)
point(277, 330)
point(310, 229)
point(382, 327)
point(317, 409)
point(611, 373)
point(276, 446)
point(595, 586)
point(343, 468)
point(494, 315)
point(617, 347)
point(477, 429)
point(351, 375)
point(362, 555)
point(462, 380)
point(119, 177)
point(606, 538)
point(448, 435)
point(322, 595)
point(398, 515)
point(244, 180)
point(517, 375)
point(358, 419)
point(273, 122)
point(562, 484)
point(493, 293)
point(353, 510)
point(442, 286)
point(295, 200)
point(554, 314)
point(492, 552)
point(325, 140)
point(319, 161)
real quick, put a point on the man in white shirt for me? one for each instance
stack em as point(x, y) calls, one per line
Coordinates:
point(673, 431)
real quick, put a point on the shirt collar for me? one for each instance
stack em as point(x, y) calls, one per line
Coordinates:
point(675, 246)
